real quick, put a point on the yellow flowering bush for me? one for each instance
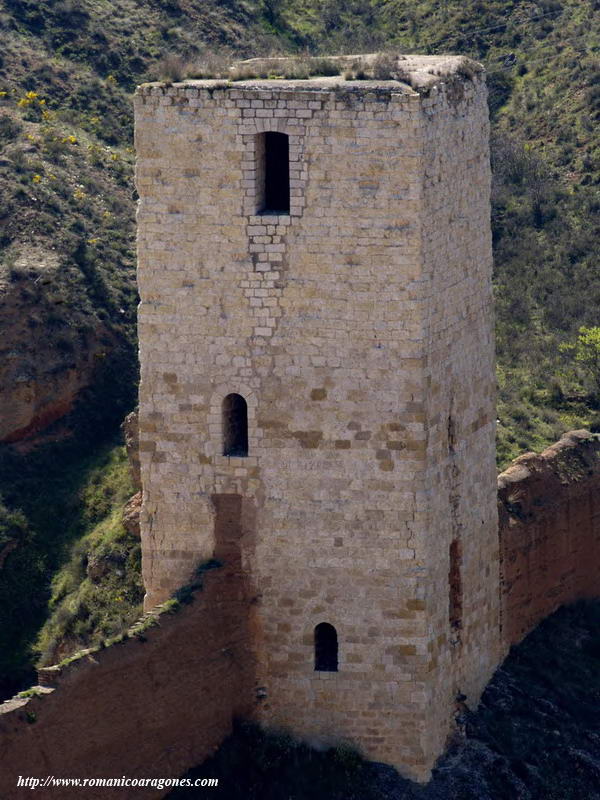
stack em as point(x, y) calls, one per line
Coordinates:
point(31, 98)
point(33, 104)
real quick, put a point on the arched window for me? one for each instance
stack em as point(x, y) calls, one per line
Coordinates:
point(273, 167)
point(235, 426)
point(326, 648)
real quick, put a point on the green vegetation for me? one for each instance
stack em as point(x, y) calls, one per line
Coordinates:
point(98, 592)
point(97, 595)
point(14, 530)
point(35, 691)
point(384, 66)
point(91, 619)
point(22, 564)
point(67, 521)
point(67, 196)
point(586, 351)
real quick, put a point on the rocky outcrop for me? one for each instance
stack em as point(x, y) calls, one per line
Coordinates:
point(130, 430)
point(49, 344)
point(131, 511)
point(131, 515)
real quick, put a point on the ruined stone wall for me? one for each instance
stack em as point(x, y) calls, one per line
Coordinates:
point(549, 508)
point(460, 402)
point(153, 706)
point(321, 319)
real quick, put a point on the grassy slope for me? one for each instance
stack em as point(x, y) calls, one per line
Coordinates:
point(67, 70)
point(76, 507)
point(98, 592)
point(66, 185)
point(65, 190)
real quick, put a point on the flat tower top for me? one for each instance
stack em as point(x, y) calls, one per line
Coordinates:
point(409, 72)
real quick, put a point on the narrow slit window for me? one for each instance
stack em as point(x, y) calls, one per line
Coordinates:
point(274, 163)
point(455, 585)
point(235, 426)
point(451, 434)
point(326, 648)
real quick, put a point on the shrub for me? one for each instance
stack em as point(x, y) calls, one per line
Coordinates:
point(172, 68)
point(385, 66)
point(10, 128)
point(586, 352)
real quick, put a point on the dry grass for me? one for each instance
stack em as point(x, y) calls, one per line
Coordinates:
point(218, 65)
point(281, 68)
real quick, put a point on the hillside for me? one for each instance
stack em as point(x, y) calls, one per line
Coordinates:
point(66, 227)
point(68, 367)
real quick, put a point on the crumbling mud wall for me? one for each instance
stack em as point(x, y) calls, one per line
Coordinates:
point(152, 706)
point(549, 515)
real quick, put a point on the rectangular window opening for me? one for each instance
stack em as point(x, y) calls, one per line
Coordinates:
point(273, 167)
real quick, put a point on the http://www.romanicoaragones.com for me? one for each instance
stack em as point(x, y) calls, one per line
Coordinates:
point(52, 781)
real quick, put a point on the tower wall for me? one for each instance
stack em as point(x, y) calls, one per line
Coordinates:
point(460, 399)
point(353, 327)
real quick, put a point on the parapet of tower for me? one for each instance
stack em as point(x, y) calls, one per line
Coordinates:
point(317, 384)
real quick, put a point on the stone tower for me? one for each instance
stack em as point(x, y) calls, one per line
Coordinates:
point(317, 379)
